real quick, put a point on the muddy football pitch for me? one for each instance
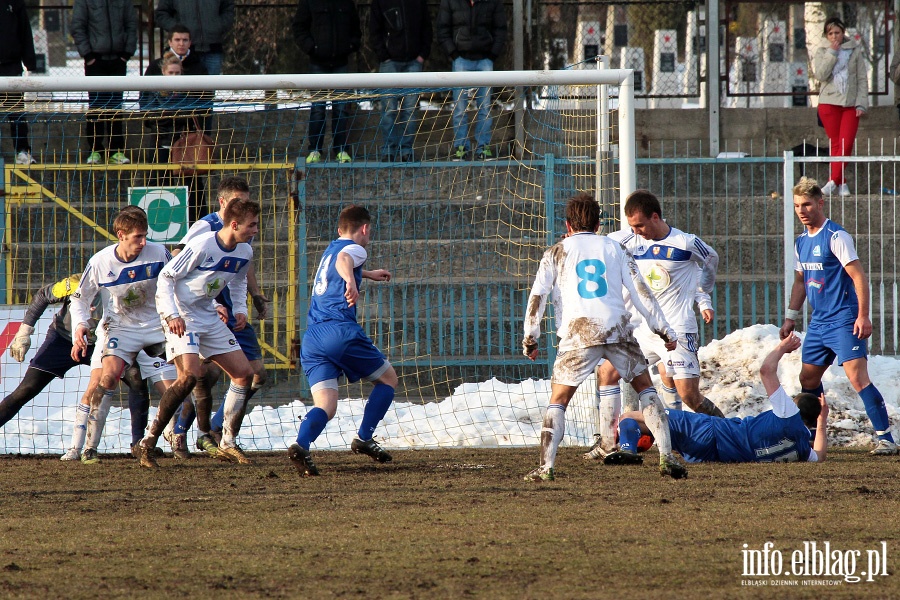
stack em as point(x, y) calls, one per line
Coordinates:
point(447, 524)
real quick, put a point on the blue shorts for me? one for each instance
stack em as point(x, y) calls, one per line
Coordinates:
point(693, 436)
point(825, 342)
point(330, 350)
point(246, 337)
point(55, 355)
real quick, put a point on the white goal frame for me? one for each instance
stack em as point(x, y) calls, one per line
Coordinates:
point(623, 78)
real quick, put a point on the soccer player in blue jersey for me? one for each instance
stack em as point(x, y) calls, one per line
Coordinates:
point(336, 345)
point(829, 274)
point(780, 434)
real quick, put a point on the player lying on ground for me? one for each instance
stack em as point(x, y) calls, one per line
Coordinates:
point(680, 270)
point(587, 275)
point(184, 298)
point(335, 344)
point(826, 262)
point(781, 434)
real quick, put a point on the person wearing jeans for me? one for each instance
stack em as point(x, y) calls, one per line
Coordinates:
point(105, 33)
point(17, 50)
point(473, 34)
point(328, 32)
point(841, 67)
point(400, 33)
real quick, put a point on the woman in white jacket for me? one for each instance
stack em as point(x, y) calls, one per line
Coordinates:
point(840, 66)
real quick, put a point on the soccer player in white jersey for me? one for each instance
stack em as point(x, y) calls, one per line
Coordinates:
point(829, 274)
point(188, 284)
point(208, 425)
point(680, 270)
point(587, 276)
point(335, 344)
point(125, 276)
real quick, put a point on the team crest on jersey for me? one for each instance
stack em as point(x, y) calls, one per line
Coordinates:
point(213, 288)
point(656, 250)
point(669, 252)
point(131, 274)
point(227, 262)
point(817, 251)
point(657, 278)
point(149, 270)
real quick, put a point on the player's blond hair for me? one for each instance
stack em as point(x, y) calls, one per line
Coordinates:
point(808, 188)
point(169, 58)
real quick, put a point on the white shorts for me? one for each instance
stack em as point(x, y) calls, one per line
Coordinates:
point(680, 363)
point(574, 366)
point(211, 340)
point(126, 342)
point(155, 369)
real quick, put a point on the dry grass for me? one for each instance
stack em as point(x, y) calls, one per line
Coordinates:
point(433, 524)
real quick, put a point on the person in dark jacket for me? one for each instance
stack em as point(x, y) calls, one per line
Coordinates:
point(105, 33)
point(210, 22)
point(16, 50)
point(473, 34)
point(172, 114)
point(400, 33)
point(328, 32)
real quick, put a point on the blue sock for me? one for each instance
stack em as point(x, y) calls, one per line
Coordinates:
point(816, 391)
point(139, 407)
point(379, 401)
point(218, 420)
point(877, 412)
point(313, 424)
point(184, 422)
point(629, 434)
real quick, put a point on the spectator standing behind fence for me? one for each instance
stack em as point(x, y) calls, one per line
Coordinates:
point(473, 34)
point(400, 33)
point(105, 33)
point(328, 32)
point(17, 50)
point(840, 66)
point(180, 113)
point(209, 22)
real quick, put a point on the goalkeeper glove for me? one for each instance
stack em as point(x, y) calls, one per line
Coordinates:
point(22, 342)
point(261, 304)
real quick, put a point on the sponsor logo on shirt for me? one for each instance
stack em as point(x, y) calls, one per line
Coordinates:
point(817, 251)
point(657, 278)
point(814, 283)
point(811, 266)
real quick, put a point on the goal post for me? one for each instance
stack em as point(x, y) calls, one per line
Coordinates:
point(462, 238)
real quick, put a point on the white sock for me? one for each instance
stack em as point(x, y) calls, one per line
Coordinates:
point(670, 398)
point(552, 434)
point(170, 426)
point(82, 412)
point(97, 420)
point(630, 399)
point(234, 409)
point(609, 397)
point(656, 420)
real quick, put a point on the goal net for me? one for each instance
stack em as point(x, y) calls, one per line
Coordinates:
point(460, 229)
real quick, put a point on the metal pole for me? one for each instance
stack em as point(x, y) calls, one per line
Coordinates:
point(713, 82)
point(519, 65)
point(602, 157)
point(627, 142)
point(788, 225)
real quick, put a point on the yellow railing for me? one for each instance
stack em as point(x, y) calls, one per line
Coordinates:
point(85, 192)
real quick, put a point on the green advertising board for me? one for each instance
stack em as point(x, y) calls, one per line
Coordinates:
point(166, 208)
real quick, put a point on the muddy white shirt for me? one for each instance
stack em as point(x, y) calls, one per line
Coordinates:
point(190, 281)
point(680, 269)
point(587, 276)
point(127, 289)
